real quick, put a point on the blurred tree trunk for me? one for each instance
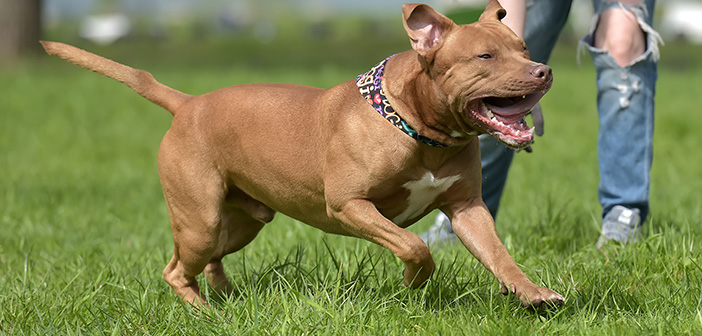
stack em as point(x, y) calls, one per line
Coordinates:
point(20, 29)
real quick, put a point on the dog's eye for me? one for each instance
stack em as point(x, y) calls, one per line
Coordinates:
point(485, 56)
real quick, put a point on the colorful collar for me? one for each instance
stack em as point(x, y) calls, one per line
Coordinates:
point(370, 86)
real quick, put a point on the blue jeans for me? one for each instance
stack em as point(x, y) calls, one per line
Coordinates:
point(625, 104)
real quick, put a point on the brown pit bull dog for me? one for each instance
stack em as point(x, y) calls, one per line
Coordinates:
point(366, 158)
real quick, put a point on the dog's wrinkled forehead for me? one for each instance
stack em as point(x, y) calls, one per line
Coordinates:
point(480, 39)
point(484, 34)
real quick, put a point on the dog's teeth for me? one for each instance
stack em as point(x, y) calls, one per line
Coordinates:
point(523, 96)
point(490, 114)
point(532, 129)
point(518, 132)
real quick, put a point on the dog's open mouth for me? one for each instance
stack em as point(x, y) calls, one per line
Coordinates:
point(503, 117)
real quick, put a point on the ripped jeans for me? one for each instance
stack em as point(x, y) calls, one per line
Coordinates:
point(625, 104)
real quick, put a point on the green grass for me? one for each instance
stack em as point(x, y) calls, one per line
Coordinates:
point(84, 233)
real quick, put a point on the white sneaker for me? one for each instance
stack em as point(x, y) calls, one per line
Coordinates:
point(439, 233)
point(620, 224)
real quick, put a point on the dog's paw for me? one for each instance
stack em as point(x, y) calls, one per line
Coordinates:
point(533, 296)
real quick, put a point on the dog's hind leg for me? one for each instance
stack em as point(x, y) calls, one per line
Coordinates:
point(242, 218)
point(196, 230)
point(194, 193)
point(195, 235)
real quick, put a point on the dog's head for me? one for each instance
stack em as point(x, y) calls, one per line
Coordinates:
point(481, 72)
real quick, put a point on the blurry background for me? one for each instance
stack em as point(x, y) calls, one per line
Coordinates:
point(258, 31)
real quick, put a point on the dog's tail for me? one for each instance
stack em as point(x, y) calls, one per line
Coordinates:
point(140, 81)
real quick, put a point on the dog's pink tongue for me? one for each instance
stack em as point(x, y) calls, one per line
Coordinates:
point(510, 119)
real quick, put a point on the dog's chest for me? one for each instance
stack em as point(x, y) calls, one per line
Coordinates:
point(422, 193)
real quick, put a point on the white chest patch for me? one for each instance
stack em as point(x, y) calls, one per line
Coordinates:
point(422, 193)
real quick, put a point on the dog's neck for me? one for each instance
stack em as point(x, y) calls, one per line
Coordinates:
point(371, 87)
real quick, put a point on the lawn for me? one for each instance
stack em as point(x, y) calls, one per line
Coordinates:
point(84, 233)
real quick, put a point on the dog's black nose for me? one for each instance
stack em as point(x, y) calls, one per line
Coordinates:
point(541, 71)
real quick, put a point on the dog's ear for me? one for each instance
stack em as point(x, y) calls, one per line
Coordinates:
point(493, 11)
point(425, 26)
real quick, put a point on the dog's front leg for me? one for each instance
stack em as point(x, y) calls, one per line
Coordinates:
point(362, 219)
point(475, 227)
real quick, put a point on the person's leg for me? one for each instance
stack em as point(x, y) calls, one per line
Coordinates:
point(624, 49)
point(544, 22)
point(496, 159)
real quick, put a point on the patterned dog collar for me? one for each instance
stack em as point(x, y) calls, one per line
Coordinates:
point(370, 87)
